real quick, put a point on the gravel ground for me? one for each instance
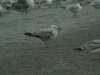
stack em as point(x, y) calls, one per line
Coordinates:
point(22, 55)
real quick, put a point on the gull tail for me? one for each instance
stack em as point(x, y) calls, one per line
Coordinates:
point(63, 7)
point(32, 34)
point(79, 49)
point(29, 34)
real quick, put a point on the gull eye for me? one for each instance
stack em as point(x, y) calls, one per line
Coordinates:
point(54, 27)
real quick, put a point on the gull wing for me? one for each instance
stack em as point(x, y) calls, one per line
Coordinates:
point(45, 34)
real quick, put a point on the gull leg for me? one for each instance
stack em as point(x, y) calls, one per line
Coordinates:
point(74, 14)
point(46, 44)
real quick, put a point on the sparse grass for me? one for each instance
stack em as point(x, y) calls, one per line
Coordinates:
point(22, 55)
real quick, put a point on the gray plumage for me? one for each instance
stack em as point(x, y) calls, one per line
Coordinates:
point(91, 45)
point(94, 44)
point(96, 4)
point(45, 34)
point(74, 8)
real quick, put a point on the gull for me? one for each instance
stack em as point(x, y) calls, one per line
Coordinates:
point(31, 3)
point(45, 34)
point(95, 4)
point(21, 6)
point(8, 4)
point(93, 45)
point(49, 1)
point(2, 10)
point(74, 8)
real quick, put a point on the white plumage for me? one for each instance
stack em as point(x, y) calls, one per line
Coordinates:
point(91, 45)
point(94, 44)
point(49, 1)
point(1, 8)
point(45, 34)
point(95, 50)
point(74, 8)
point(96, 4)
point(31, 3)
